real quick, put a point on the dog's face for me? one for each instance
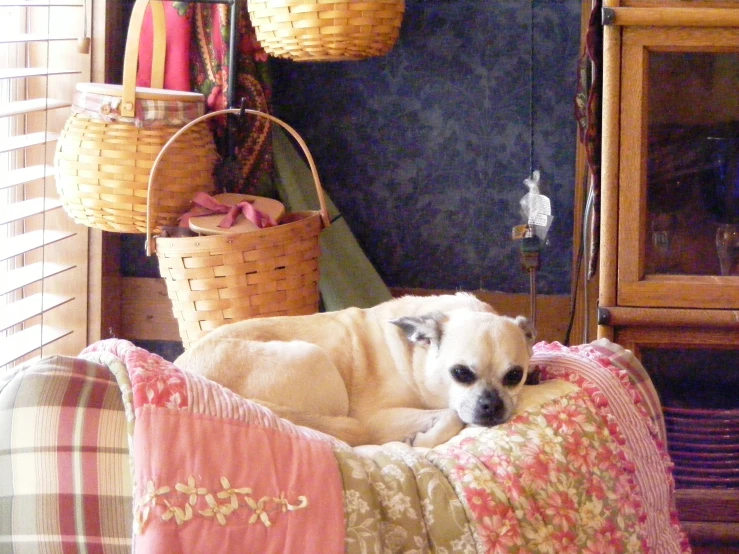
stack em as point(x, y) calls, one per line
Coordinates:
point(473, 362)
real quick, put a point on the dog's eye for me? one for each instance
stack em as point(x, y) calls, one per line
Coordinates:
point(463, 374)
point(513, 377)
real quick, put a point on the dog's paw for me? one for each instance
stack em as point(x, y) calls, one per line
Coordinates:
point(444, 424)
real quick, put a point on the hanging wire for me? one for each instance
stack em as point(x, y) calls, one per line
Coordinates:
point(531, 90)
point(532, 270)
point(581, 272)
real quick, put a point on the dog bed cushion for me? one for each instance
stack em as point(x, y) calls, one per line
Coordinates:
point(580, 468)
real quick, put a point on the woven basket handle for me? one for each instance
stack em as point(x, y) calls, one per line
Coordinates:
point(151, 247)
point(131, 57)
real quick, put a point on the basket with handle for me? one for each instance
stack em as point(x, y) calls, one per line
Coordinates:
point(107, 147)
point(326, 30)
point(217, 279)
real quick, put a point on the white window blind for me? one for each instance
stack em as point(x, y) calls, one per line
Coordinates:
point(43, 254)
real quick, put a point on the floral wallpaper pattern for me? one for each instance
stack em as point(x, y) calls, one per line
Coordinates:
point(425, 150)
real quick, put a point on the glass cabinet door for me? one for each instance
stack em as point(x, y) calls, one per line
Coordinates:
point(678, 241)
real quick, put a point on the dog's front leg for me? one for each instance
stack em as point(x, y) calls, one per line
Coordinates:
point(444, 425)
point(417, 427)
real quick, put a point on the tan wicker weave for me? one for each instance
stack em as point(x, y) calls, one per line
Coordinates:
point(103, 166)
point(326, 30)
point(219, 279)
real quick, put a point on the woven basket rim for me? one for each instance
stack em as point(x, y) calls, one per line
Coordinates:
point(144, 93)
point(305, 218)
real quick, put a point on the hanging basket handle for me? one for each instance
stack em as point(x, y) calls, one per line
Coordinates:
point(131, 56)
point(151, 247)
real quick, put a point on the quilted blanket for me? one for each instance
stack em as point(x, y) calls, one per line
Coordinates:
point(580, 468)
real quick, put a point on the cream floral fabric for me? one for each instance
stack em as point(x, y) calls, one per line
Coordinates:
point(396, 500)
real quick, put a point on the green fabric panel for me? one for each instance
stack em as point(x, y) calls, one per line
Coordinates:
point(348, 278)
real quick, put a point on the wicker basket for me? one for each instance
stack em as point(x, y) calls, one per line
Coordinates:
point(218, 279)
point(107, 147)
point(326, 30)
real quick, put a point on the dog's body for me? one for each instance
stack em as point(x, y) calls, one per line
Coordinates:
point(414, 369)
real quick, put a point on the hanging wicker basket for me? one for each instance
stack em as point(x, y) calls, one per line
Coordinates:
point(326, 30)
point(218, 279)
point(107, 147)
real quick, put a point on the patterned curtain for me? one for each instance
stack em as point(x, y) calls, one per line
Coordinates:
point(198, 60)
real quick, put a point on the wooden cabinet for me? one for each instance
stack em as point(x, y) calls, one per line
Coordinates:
point(669, 275)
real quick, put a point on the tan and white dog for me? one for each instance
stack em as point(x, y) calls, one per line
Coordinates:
point(413, 369)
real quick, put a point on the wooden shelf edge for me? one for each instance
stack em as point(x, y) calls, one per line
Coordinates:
point(670, 16)
point(702, 532)
point(708, 506)
point(668, 317)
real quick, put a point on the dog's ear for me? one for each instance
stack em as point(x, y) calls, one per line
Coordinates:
point(528, 330)
point(424, 330)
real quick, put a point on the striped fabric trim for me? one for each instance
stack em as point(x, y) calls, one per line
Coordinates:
point(639, 376)
point(64, 465)
point(615, 397)
point(209, 398)
point(37, 540)
point(149, 113)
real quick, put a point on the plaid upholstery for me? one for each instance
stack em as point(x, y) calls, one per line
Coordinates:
point(65, 482)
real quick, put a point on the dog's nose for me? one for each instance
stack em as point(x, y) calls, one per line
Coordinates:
point(490, 408)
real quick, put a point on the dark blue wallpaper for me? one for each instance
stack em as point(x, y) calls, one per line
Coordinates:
point(425, 150)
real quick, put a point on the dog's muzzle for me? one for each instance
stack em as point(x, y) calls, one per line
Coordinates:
point(490, 409)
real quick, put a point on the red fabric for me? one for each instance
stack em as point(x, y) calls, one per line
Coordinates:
point(177, 64)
